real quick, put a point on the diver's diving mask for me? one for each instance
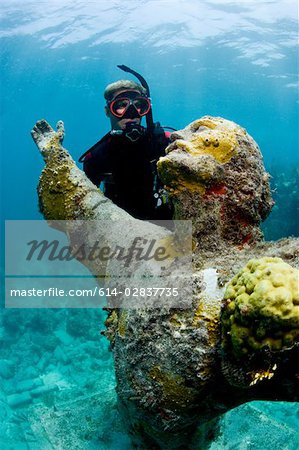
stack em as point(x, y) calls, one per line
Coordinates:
point(125, 100)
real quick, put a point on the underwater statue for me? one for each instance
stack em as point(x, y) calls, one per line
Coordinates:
point(179, 369)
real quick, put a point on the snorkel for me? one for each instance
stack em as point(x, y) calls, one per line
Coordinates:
point(149, 116)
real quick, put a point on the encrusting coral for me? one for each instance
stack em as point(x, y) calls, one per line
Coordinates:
point(178, 369)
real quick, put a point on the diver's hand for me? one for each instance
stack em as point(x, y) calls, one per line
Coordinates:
point(44, 136)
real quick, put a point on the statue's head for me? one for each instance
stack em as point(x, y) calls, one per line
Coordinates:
point(215, 176)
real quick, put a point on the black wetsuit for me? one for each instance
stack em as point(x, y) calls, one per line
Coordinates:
point(128, 170)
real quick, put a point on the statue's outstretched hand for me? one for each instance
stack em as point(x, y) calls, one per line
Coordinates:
point(44, 136)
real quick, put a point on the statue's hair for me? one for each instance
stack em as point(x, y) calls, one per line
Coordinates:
point(122, 84)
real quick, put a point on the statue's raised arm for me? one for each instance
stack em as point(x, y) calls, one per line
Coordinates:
point(65, 193)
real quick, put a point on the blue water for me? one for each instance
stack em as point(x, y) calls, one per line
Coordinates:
point(238, 60)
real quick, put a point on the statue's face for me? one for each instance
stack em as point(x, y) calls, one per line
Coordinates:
point(215, 159)
point(208, 136)
point(196, 157)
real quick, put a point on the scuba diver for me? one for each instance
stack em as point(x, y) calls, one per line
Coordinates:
point(124, 162)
